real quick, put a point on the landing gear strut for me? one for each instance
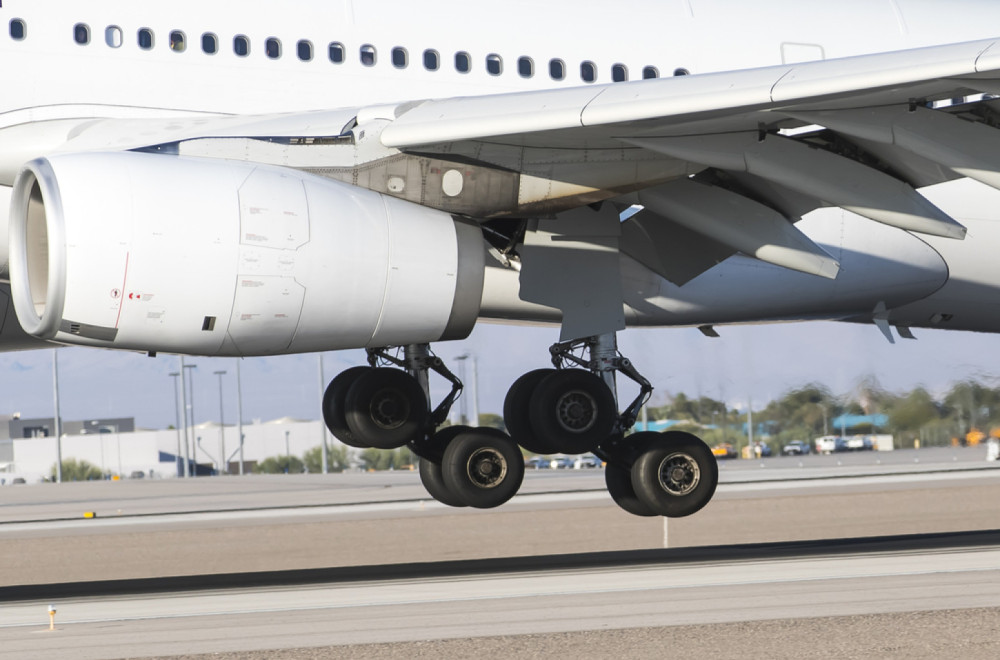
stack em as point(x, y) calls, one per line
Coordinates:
point(574, 410)
point(387, 408)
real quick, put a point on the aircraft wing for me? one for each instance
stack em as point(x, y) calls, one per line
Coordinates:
point(765, 145)
point(749, 100)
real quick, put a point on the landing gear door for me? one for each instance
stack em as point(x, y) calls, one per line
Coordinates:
point(572, 263)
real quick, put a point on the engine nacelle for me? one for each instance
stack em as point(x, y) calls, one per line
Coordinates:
point(211, 257)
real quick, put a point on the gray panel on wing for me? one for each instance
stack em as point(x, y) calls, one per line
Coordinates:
point(670, 250)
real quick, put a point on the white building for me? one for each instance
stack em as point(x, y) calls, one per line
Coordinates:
point(154, 452)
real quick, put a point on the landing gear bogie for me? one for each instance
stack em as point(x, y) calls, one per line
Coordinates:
point(387, 408)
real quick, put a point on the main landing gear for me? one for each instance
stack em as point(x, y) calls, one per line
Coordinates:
point(386, 408)
point(570, 408)
point(573, 410)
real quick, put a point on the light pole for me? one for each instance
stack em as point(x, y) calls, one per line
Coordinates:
point(470, 402)
point(189, 417)
point(58, 422)
point(222, 428)
point(239, 412)
point(184, 399)
point(324, 459)
point(177, 413)
point(288, 455)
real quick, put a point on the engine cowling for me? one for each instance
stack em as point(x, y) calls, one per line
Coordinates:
point(163, 253)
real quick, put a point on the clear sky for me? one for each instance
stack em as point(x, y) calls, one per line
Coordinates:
point(758, 362)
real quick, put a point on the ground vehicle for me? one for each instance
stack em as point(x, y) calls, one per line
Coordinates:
point(587, 461)
point(828, 444)
point(724, 450)
point(795, 448)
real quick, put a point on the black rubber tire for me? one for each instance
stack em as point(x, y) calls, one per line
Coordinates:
point(675, 475)
point(483, 448)
point(516, 415)
point(573, 409)
point(334, 410)
point(386, 408)
point(432, 478)
point(433, 447)
point(619, 482)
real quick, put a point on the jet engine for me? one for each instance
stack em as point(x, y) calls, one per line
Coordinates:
point(163, 253)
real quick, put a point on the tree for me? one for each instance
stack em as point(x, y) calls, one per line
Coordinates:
point(337, 458)
point(912, 412)
point(280, 465)
point(492, 420)
point(386, 459)
point(73, 470)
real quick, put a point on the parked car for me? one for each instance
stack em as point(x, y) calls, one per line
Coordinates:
point(537, 463)
point(561, 462)
point(795, 448)
point(724, 450)
point(587, 461)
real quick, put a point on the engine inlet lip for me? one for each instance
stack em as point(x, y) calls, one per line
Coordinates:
point(46, 325)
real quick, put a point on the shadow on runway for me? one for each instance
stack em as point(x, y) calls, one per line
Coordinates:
point(506, 565)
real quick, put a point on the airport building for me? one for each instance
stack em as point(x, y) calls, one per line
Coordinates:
point(28, 447)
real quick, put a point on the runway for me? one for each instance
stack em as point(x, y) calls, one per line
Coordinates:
point(372, 569)
point(616, 592)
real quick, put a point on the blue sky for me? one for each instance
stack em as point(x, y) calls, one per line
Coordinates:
point(758, 362)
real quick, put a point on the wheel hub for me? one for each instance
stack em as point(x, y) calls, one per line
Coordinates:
point(679, 474)
point(576, 411)
point(487, 468)
point(389, 409)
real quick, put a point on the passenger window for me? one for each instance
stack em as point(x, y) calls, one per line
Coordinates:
point(400, 58)
point(337, 52)
point(557, 69)
point(145, 38)
point(494, 64)
point(432, 61)
point(650, 72)
point(525, 67)
point(619, 73)
point(368, 55)
point(178, 42)
point(681, 72)
point(17, 29)
point(588, 72)
point(81, 34)
point(209, 43)
point(463, 62)
point(305, 49)
point(113, 36)
point(241, 45)
point(272, 47)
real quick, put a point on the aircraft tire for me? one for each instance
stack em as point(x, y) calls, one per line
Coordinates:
point(573, 409)
point(484, 468)
point(432, 478)
point(386, 408)
point(516, 413)
point(619, 482)
point(675, 475)
point(334, 399)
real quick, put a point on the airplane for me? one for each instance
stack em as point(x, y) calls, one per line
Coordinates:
point(254, 179)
